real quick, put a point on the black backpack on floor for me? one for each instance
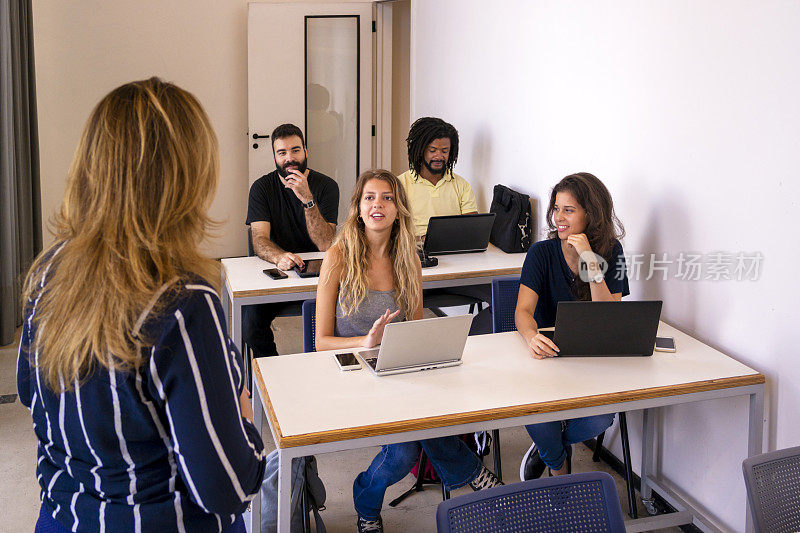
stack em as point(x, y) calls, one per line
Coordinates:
point(307, 496)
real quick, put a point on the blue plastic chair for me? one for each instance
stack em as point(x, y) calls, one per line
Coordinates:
point(773, 490)
point(309, 325)
point(574, 502)
point(504, 303)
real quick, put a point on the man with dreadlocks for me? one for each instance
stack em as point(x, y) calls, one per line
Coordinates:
point(433, 189)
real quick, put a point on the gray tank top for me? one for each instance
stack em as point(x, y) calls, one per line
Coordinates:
point(360, 321)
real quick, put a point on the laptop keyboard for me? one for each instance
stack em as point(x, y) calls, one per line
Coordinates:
point(370, 357)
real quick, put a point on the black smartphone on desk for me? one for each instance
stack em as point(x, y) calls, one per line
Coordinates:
point(347, 361)
point(310, 268)
point(274, 273)
point(665, 344)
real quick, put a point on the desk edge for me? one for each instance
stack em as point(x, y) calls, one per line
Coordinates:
point(267, 403)
point(495, 272)
point(500, 413)
point(279, 290)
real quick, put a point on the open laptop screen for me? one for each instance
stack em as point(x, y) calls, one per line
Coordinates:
point(606, 328)
point(407, 346)
point(455, 234)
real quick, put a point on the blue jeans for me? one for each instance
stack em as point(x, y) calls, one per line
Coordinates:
point(552, 440)
point(455, 464)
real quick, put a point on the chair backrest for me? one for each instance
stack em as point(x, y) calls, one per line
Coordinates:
point(250, 250)
point(574, 502)
point(504, 303)
point(773, 490)
point(309, 325)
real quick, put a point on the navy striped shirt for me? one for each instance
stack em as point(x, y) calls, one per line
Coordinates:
point(162, 449)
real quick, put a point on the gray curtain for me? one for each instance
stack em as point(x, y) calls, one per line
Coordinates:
point(20, 209)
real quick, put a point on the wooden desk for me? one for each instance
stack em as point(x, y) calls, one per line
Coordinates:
point(244, 283)
point(498, 386)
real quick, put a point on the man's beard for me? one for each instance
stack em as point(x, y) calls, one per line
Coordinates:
point(435, 171)
point(301, 167)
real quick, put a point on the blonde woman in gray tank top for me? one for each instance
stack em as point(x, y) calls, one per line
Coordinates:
point(371, 276)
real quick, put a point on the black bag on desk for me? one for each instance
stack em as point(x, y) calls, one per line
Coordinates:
point(513, 224)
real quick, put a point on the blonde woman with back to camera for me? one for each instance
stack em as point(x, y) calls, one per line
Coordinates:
point(371, 276)
point(136, 392)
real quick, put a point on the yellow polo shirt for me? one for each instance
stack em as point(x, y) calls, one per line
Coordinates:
point(451, 195)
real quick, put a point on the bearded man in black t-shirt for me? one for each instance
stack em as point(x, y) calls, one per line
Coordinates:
point(291, 210)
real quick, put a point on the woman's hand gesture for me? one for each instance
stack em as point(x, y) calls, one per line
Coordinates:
point(375, 334)
point(580, 242)
point(542, 347)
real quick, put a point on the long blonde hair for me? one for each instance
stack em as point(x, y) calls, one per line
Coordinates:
point(134, 212)
point(352, 241)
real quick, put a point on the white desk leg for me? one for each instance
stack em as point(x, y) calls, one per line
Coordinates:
point(284, 491)
point(258, 422)
point(225, 300)
point(236, 324)
point(755, 439)
point(648, 458)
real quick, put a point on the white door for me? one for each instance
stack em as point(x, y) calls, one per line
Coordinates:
point(311, 65)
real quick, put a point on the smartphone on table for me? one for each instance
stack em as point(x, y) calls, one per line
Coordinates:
point(310, 268)
point(274, 273)
point(347, 361)
point(665, 344)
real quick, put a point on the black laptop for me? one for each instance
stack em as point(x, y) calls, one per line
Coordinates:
point(458, 234)
point(606, 328)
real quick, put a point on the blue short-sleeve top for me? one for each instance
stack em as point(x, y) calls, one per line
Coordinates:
point(545, 271)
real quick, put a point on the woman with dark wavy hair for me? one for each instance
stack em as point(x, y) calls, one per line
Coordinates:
point(582, 259)
point(136, 392)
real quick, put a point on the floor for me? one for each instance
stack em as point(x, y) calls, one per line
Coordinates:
point(19, 492)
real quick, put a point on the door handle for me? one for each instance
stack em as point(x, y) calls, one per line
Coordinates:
point(256, 136)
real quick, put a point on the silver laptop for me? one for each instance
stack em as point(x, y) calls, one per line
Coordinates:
point(419, 345)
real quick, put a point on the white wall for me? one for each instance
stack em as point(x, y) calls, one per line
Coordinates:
point(85, 49)
point(688, 111)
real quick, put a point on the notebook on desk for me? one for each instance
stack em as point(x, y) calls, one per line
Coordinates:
point(605, 329)
point(419, 345)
